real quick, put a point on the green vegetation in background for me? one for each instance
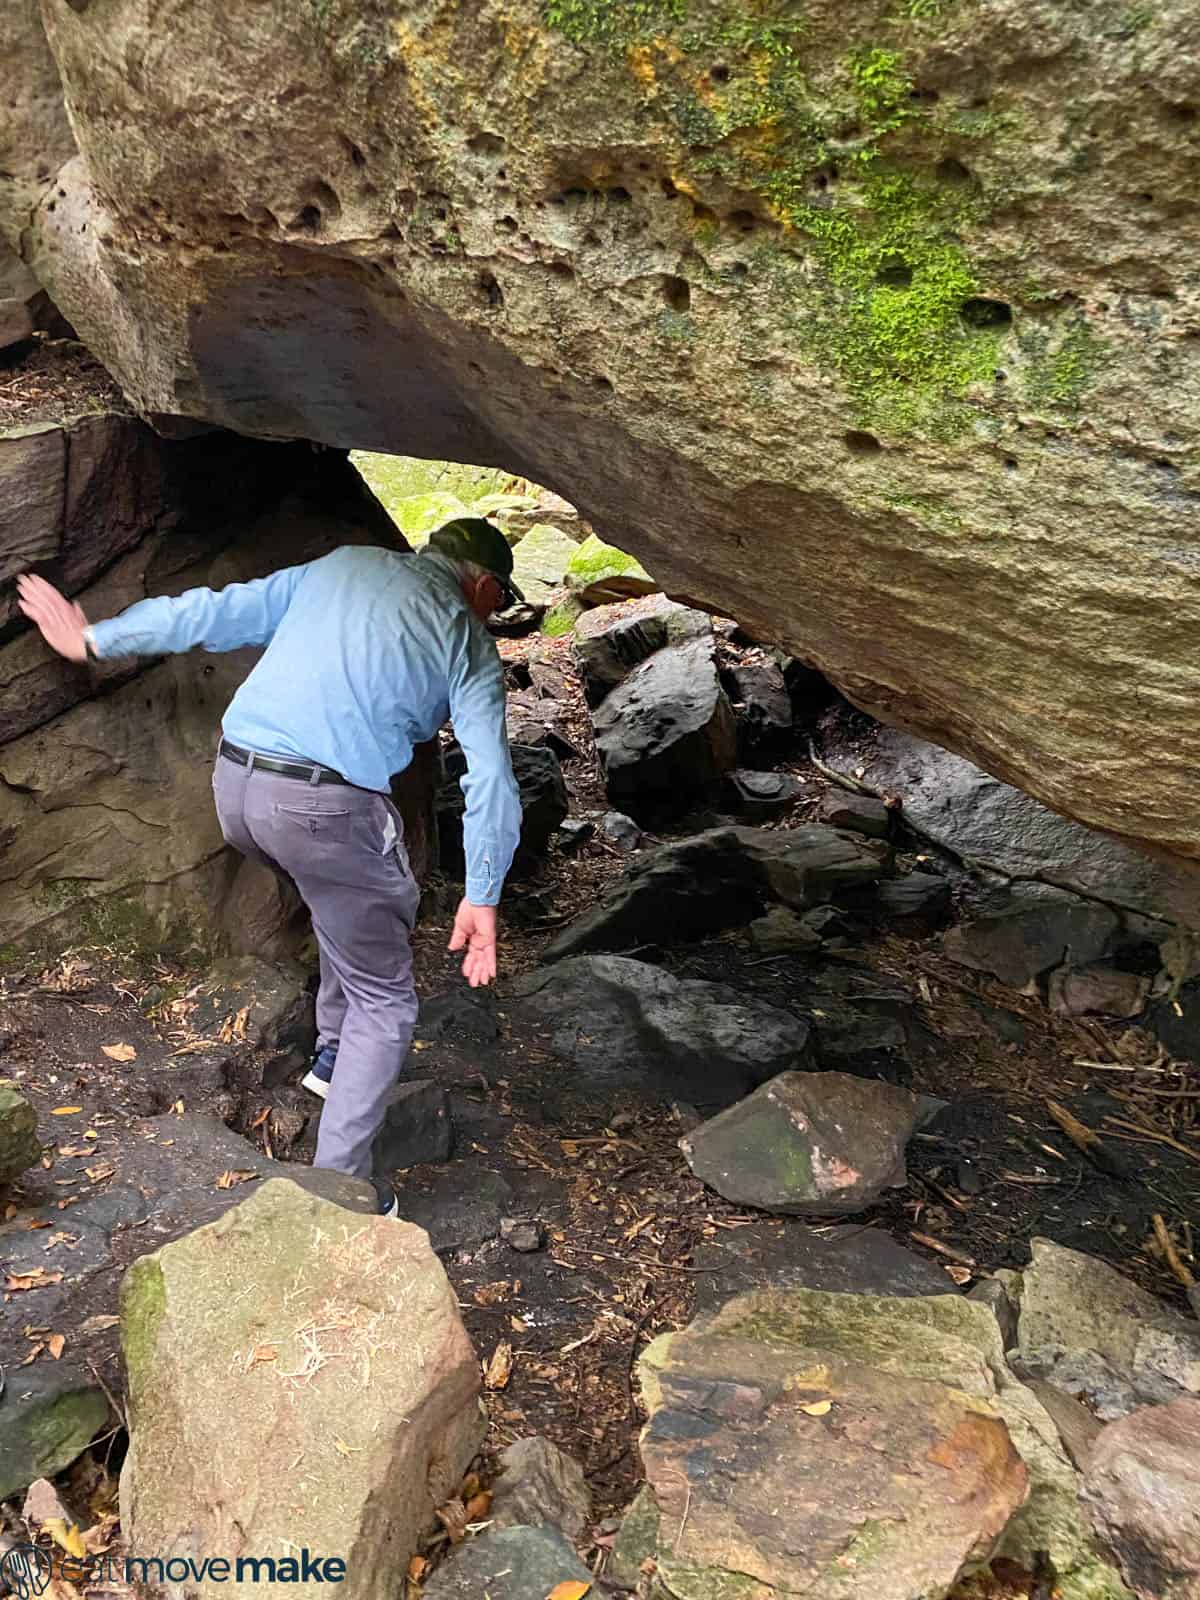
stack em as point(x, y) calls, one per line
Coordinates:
point(420, 495)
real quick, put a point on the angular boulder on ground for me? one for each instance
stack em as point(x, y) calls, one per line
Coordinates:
point(1080, 1317)
point(539, 1483)
point(519, 1563)
point(665, 735)
point(1024, 931)
point(51, 1412)
point(860, 813)
point(540, 562)
point(1140, 1490)
point(763, 795)
point(417, 1126)
point(866, 1446)
point(1097, 991)
point(544, 804)
point(20, 1146)
point(761, 701)
point(257, 1002)
point(611, 640)
point(719, 879)
point(290, 1332)
point(629, 1027)
point(816, 1143)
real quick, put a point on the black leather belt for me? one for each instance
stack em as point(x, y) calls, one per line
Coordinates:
point(305, 771)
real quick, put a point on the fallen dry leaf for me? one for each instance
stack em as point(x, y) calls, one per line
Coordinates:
point(56, 1344)
point(499, 1369)
point(479, 1505)
point(961, 1275)
point(261, 1117)
point(263, 1352)
point(66, 1536)
point(572, 1589)
point(32, 1356)
point(230, 1177)
point(65, 1111)
point(119, 1052)
point(100, 1535)
point(75, 1150)
point(36, 1278)
point(818, 1408)
point(99, 1323)
point(417, 1568)
point(453, 1517)
point(97, 1174)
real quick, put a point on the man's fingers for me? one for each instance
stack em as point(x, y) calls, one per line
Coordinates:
point(458, 937)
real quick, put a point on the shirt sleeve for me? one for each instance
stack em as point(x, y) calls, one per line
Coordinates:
point(216, 619)
point(492, 820)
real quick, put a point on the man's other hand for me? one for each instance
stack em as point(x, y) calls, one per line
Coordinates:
point(475, 931)
point(60, 622)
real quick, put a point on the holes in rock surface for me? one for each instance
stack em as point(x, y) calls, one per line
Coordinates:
point(1163, 465)
point(562, 269)
point(502, 174)
point(677, 293)
point(1146, 199)
point(620, 194)
point(308, 219)
point(952, 171)
point(591, 237)
point(486, 144)
point(491, 290)
point(745, 220)
point(824, 177)
point(1182, 113)
point(1009, 464)
point(720, 74)
point(928, 97)
point(894, 272)
point(669, 189)
point(323, 206)
point(703, 213)
point(604, 385)
point(739, 269)
point(979, 312)
point(506, 224)
point(355, 153)
point(861, 444)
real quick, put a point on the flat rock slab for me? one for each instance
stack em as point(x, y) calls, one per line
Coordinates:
point(1026, 930)
point(20, 1146)
point(156, 1180)
point(823, 1143)
point(611, 640)
point(508, 1564)
point(843, 1444)
point(539, 1483)
point(290, 1331)
point(786, 1253)
point(631, 1028)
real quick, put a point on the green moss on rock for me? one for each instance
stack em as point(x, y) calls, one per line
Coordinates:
point(143, 1306)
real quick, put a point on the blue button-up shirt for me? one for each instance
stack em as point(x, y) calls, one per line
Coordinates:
point(368, 653)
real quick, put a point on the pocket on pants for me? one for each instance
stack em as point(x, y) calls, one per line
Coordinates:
point(325, 824)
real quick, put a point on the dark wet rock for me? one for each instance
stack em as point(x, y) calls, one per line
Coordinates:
point(763, 795)
point(1025, 930)
point(574, 833)
point(761, 701)
point(628, 1026)
point(860, 813)
point(1139, 1490)
point(923, 896)
point(260, 1003)
point(988, 823)
point(1097, 991)
point(51, 1411)
point(1177, 1022)
point(417, 1127)
point(544, 804)
point(538, 1484)
point(462, 1014)
point(539, 723)
point(817, 1143)
point(720, 879)
point(846, 1259)
point(611, 640)
point(665, 736)
point(508, 1564)
point(458, 1215)
point(784, 932)
point(997, 1292)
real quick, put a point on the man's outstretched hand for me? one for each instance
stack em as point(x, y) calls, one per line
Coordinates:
point(60, 622)
point(475, 931)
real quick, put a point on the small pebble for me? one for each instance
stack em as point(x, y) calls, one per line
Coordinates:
point(522, 1233)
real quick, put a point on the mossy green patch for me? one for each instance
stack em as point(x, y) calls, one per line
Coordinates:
point(143, 1306)
point(612, 21)
point(1062, 368)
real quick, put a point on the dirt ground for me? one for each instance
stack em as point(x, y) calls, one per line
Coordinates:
point(633, 1243)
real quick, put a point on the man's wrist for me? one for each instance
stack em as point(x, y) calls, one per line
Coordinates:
point(89, 645)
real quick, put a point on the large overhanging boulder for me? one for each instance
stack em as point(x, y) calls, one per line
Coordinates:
point(872, 323)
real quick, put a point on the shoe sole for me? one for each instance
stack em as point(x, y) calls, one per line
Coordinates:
point(314, 1085)
point(393, 1210)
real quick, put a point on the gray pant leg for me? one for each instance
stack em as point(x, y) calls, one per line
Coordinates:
point(331, 1004)
point(339, 846)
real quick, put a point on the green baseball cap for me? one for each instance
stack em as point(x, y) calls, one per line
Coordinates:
point(475, 539)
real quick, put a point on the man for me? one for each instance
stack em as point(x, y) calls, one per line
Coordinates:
point(368, 652)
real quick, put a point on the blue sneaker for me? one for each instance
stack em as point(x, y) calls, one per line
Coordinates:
point(320, 1074)
point(389, 1204)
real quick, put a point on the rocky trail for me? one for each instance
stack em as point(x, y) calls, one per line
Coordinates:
point(536, 1136)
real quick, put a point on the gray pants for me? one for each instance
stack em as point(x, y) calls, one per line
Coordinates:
point(343, 849)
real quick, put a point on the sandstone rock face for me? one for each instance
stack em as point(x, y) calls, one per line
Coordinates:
point(106, 817)
point(20, 1146)
point(797, 308)
point(349, 1356)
